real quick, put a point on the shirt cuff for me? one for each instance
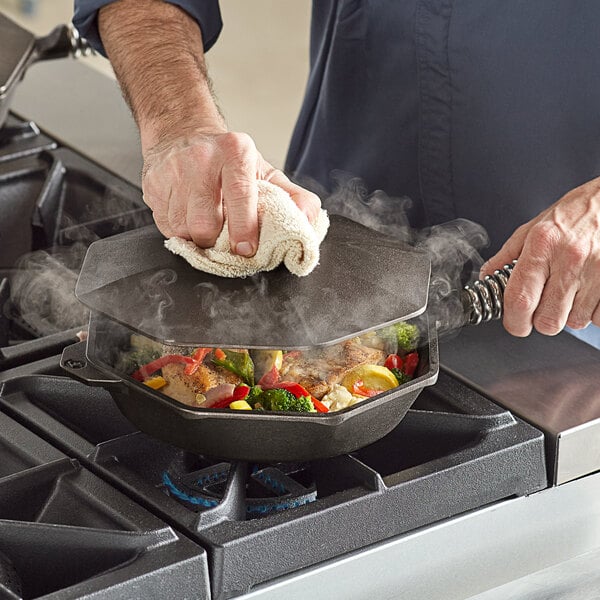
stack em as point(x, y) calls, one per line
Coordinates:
point(205, 12)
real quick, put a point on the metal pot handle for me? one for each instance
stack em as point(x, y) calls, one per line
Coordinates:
point(74, 361)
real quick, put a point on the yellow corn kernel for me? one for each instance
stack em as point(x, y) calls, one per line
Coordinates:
point(240, 405)
point(156, 382)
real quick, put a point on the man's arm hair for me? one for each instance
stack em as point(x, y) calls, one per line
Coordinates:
point(156, 51)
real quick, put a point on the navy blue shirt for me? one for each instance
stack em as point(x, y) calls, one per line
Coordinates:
point(483, 109)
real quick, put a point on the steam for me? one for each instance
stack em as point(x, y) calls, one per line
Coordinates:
point(452, 247)
point(43, 290)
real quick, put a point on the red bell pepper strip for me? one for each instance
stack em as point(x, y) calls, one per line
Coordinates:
point(410, 363)
point(359, 389)
point(393, 361)
point(239, 393)
point(319, 406)
point(197, 357)
point(219, 354)
point(292, 387)
point(269, 379)
point(146, 370)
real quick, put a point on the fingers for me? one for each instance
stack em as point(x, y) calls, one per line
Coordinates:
point(240, 192)
point(191, 185)
point(548, 288)
point(509, 252)
point(306, 201)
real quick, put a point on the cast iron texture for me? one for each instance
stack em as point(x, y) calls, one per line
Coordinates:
point(454, 451)
point(65, 533)
point(239, 435)
point(364, 281)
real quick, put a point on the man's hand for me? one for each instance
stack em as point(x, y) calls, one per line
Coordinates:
point(556, 281)
point(190, 183)
point(194, 169)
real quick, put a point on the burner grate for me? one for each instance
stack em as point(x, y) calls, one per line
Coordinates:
point(267, 489)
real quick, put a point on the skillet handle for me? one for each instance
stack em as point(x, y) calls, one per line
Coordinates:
point(74, 361)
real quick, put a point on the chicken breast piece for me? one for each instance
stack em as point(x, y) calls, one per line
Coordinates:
point(184, 388)
point(319, 370)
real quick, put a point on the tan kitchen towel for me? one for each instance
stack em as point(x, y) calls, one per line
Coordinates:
point(285, 236)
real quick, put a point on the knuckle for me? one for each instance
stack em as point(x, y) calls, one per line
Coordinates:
point(576, 252)
point(547, 324)
point(544, 236)
point(518, 300)
point(237, 144)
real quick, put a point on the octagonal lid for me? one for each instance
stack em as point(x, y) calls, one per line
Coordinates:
point(364, 281)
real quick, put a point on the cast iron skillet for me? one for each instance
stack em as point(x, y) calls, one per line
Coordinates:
point(245, 435)
point(132, 283)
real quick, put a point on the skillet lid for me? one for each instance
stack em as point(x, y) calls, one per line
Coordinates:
point(364, 281)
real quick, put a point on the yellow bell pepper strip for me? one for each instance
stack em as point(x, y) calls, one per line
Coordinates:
point(156, 382)
point(145, 371)
point(240, 405)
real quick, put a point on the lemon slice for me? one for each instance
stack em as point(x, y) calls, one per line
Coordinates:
point(373, 377)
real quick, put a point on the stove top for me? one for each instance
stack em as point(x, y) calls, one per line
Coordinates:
point(53, 205)
point(143, 515)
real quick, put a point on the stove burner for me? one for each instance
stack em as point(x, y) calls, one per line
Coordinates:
point(18, 131)
point(268, 489)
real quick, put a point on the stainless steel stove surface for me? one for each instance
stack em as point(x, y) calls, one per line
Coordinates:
point(460, 498)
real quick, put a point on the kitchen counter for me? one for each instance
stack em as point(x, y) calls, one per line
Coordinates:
point(83, 109)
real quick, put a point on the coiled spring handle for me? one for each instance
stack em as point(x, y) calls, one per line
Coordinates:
point(483, 300)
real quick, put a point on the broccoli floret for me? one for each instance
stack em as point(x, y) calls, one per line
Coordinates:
point(400, 376)
point(402, 337)
point(132, 361)
point(407, 335)
point(278, 399)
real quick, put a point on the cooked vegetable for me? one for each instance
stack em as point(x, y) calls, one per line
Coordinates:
point(372, 378)
point(339, 398)
point(400, 376)
point(393, 361)
point(265, 360)
point(197, 357)
point(318, 405)
point(146, 370)
point(156, 382)
point(239, 363)
point(403, 335)
point(240, 405)
point(132, 361)
point(340, 375)
point(280, 399)
point(410, 363)
point(238, 393)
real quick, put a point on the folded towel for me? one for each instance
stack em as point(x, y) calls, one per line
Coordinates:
point(286, 235)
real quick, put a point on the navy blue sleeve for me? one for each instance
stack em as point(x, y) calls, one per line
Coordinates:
point(205, 12)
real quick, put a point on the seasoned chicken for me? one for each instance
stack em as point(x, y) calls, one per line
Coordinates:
point(184, 388)
point(318, 371)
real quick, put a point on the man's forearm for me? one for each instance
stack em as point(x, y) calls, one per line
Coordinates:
point(156, 51)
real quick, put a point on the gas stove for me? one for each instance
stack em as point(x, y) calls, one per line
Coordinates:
point(459, 498)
